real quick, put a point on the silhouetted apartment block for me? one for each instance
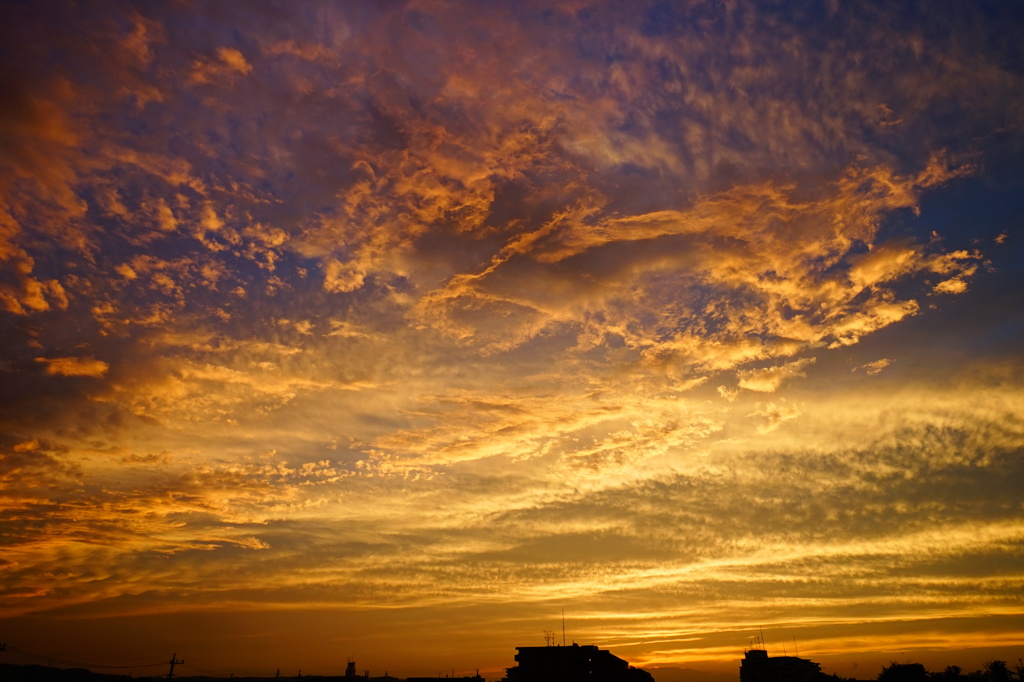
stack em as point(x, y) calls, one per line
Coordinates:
point(572, 664)
point(758, 666)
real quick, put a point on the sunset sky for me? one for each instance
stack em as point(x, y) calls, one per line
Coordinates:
point(389, 330)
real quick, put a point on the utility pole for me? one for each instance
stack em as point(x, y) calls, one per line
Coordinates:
point(174, 661)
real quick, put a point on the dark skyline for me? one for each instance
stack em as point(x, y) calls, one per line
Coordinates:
point(549, 663)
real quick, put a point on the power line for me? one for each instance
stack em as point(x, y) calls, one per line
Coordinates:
point(67, 660)
point(173, 662)
point(59, 659)
point(222, 672)
point(199, 667)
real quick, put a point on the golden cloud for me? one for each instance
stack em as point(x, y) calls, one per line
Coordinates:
point(75, 366)
point(769, 379)
point(228, 63)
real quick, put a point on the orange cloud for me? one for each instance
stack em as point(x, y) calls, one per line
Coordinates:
point(874, 367)
point(769, 379)
point(75, 367)
point(229, 63)
point(753, 258)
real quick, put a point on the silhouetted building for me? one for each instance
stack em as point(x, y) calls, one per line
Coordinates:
point(758, 666)
point(572, 664)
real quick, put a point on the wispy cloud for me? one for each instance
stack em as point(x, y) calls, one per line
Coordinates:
point(75, 367)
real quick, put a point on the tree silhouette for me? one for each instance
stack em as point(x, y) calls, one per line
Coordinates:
point(996, 671)
point(952, 672)
point(903, 672)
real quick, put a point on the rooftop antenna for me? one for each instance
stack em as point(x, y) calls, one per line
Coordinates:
point(795, 647)
point(563, 626)
point(763, 646)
